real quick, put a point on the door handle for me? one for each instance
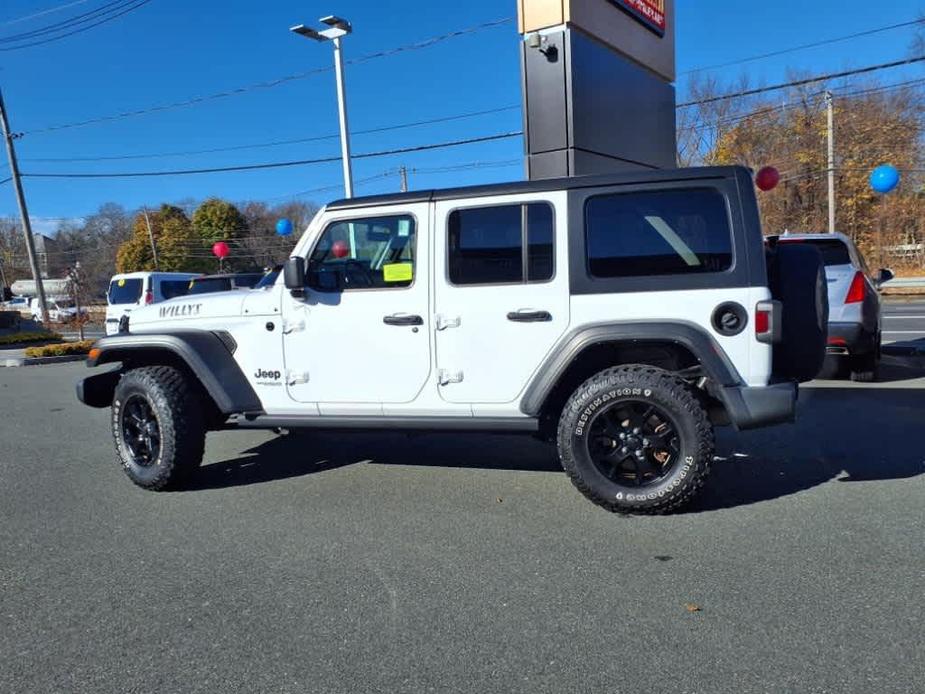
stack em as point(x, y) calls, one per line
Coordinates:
point(403, 320)
point(525, 316)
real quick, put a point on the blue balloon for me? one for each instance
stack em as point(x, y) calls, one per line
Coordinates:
point(284, 227)
point(884, 179)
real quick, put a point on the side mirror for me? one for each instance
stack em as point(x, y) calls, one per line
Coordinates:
point(294, 275)
point(884, 276)
point(330, 280)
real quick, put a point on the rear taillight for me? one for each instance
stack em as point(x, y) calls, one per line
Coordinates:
point(762, 322)
point(768, 322)
point(149, 297)
point(857, 290)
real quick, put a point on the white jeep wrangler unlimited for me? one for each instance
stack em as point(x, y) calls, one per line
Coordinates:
point(621, 316)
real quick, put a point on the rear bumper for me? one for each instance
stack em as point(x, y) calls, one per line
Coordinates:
point(850, 338)
point(755, 407)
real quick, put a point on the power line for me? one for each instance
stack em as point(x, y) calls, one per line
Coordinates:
point(278, 143)
point(277, 165)
point(799, 83)
point(42, 13)
point(426, 43)
point(104, 20)
point(76, 20)
point(806, 46)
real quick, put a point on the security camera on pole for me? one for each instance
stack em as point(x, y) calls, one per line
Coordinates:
point(338, 29)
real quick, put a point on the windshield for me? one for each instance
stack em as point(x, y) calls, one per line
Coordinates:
point(269, 279)
point(833, 251)
point(125, 291)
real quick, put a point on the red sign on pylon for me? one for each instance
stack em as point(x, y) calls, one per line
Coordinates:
point(650, 12)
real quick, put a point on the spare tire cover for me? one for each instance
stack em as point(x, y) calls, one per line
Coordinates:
point(797, 279)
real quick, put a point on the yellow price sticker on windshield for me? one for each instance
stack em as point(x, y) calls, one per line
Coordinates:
point(121, 283)
point(398, 272)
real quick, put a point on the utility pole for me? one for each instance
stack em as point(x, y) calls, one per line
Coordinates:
point(23, 211)
point(337, 29)
point(403, 172)
point(151, 236)
point(830, 107)
point(74, 275)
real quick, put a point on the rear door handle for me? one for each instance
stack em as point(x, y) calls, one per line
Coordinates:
point(525, 316)
point(403, 320)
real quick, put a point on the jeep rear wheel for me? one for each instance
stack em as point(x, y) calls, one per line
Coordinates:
point(158, 426)
point(635, 439)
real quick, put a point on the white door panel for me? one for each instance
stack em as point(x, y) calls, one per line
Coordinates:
point(492, 337)
point(363, 345)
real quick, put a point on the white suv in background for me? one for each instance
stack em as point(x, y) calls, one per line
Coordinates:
point(134, 289)
point(855, 324)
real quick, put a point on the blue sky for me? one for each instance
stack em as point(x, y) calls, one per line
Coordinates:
point(172, 50)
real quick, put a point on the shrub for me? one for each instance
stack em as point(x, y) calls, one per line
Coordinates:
point(19, 338)
point(60, 350)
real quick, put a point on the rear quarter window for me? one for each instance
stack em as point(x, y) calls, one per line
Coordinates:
point(670, 232)
point(127, 291)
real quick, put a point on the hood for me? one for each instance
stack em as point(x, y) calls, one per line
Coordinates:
point(184, 309)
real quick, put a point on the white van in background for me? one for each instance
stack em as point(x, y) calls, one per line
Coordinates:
point(133, 289)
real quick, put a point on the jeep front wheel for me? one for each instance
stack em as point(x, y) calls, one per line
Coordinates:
point(635, 439)
point(158, 426)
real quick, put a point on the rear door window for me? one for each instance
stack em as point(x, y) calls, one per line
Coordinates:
point(673, 232)
point(504, 244)
point(125, 291)
point(209, 285)
point(170, 289)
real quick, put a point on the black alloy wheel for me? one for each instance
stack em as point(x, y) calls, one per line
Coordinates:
point(633, 443)
point(141, 432)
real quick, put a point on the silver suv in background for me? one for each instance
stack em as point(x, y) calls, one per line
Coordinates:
point(854, 302)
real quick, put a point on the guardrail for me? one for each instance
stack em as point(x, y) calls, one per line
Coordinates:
point(905, 282)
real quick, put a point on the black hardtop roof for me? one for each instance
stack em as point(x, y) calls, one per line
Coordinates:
point(545, 186)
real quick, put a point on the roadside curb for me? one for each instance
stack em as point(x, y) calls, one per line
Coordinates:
point(42, 361)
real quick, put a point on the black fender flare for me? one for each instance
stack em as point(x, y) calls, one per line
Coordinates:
point(748, 407)
point(701, 344)
point(208, 355)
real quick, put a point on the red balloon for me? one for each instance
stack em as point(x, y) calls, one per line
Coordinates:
point(340, 249)
point(767, 179)
point(221, 250)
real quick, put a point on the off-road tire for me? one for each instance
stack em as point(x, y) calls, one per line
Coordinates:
point(178, 411)
point(649, 385)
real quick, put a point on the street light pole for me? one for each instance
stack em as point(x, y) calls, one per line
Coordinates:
point(830, 109)
point(338, 29)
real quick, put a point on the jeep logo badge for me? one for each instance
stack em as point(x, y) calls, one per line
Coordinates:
point(272, 375)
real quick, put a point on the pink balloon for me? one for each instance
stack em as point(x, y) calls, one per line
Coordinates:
point(221, 250)
point(340, 249)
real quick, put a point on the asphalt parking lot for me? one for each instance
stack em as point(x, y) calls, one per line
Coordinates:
point(387, 563)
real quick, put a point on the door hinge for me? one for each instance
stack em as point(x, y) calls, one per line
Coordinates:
point(446, 377)
point(444, 322)
point(290, 327)
point(295, 378)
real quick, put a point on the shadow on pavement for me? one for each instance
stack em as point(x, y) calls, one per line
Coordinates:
point(310, 452)
point(849, 434)
point(845, 434)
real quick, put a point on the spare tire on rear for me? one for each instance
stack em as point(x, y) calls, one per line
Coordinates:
point(796, 274)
